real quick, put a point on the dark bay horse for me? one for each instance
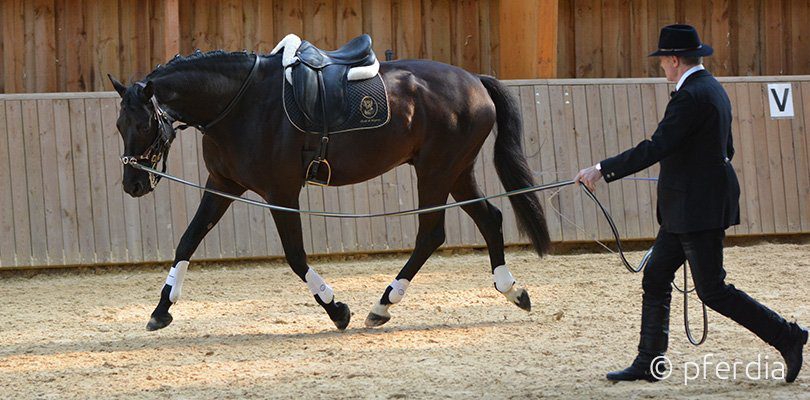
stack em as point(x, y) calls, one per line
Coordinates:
point(440, 117)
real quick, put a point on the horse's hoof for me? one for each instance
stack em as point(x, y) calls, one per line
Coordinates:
point(520, 297)
point(158, 322)
point(343, 316)
point(375, 320)
point(523, 301)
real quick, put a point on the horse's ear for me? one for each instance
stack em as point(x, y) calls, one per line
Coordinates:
point(119, 87)
point(148, 91)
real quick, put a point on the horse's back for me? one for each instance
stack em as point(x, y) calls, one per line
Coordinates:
point(443, 112)
point(438, 87)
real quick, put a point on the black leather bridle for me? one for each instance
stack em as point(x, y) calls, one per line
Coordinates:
point(159, 149)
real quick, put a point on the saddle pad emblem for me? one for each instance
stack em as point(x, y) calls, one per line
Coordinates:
point(366, 107)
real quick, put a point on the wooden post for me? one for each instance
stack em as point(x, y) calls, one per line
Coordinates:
point(233, 26)
point(528, 39)
point(13, 28)
point(171, 29)
point(45, 47)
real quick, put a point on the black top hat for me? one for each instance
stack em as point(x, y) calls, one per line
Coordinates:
point(681, 40)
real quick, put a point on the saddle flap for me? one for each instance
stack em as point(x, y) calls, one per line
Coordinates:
point(305, 88)
point(308, 92)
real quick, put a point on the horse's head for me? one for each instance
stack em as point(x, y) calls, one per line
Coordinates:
point(147, 134)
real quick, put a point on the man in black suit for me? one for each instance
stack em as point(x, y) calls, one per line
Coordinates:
point(698, 198)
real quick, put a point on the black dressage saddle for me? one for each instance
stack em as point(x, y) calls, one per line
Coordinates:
point(321, 78)
point(327, 92)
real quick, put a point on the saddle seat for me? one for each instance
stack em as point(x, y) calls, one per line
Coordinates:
point(357, 52)
point(319, 78)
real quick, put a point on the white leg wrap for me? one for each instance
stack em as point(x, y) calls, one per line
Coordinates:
point(381, 309)
point(175, 279)
point(318, 287)
point(503, 278)
point(398, 288)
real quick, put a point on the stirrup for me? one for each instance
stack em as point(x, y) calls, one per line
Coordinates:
point(314, 168)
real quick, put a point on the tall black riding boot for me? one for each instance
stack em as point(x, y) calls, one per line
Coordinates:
point(791, 348)
point(652, 344)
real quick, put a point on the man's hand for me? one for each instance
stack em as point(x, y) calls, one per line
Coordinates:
point(588, 176)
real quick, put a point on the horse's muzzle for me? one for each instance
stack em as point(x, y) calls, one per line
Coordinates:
point(136, 183)
point(137, 189)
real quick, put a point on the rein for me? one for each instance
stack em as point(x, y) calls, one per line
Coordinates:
point(536, 188)
point(350, 215)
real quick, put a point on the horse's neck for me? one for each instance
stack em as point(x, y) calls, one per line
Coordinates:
point(197, 96)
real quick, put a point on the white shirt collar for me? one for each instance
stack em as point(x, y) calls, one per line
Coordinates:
point(686, 74)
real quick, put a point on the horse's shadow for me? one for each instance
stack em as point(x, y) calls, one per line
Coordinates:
point(157, 342)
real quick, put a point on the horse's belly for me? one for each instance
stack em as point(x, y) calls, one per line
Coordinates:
point(356, 158)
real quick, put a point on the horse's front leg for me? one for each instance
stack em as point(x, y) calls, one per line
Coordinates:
point(210, 210)
point(289, 230)
point(429, 237)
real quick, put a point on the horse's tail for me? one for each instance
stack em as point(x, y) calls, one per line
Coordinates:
point(512, 168)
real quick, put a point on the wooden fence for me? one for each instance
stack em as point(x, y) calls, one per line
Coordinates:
point(70, 45)
point(61, 201)
point(611, 38)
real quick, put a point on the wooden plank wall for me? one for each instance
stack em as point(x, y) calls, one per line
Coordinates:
point(528, 39)
point(611, 38)
point(62, 201)
point(71, 45)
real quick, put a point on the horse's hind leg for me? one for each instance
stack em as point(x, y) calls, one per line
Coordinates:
point(429, 237)
point(209, 212)
point(289, 230)
point(489, 221)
